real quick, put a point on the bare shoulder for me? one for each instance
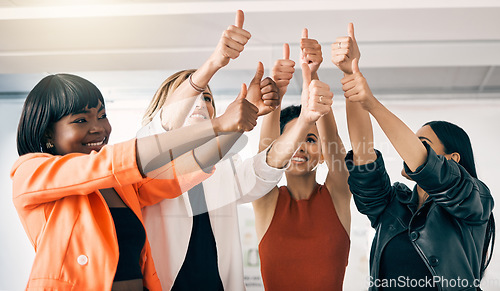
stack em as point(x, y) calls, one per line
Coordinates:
point(264, 211)
point(341, 197)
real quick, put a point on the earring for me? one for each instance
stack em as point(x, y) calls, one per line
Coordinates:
point(49, 145)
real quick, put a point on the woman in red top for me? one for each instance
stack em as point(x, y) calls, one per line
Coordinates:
point(303, 227)
point(80, 199)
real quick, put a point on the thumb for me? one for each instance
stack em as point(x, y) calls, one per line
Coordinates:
point(355, 66)
point(258, 74)
point(305, 33)
point(243, 92)
point(240, 17)
point(286, 51)
point(350, 31)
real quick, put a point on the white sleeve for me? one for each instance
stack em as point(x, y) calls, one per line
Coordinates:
point(256, 178)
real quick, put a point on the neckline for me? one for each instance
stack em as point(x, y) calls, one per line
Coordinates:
point(305, 199)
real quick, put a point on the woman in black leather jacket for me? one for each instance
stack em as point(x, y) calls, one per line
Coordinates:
point(436, 236)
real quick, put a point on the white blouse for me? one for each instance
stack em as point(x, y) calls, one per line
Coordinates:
point(169, 223)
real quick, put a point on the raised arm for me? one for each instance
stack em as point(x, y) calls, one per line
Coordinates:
point(406, 143)
point(157, 150)
point(282, 73)
point(333, 151)
point(313, 107)
point(344, 51)
point(282, 150)
point(231, 44)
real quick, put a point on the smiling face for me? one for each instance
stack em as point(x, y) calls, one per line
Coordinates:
point(80, 132)
point(204, 108)
point(308, 155)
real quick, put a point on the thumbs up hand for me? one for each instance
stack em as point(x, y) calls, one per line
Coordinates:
point(310, 52)
point(263, 93)
point(282, 71)
point(231, 43)
point(356, 88)
point(240, 115)
point(316, 98)
point(344, 50)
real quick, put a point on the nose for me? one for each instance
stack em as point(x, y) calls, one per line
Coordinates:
point(200, 103)
point(302, 147)
point(96, 127)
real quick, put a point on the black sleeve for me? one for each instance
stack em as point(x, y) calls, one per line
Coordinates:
point(370, 186)
point(453, 188)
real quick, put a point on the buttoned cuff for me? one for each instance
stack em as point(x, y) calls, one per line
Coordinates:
point(263, 170)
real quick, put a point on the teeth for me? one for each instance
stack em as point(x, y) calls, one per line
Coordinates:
point(198, 116)
point(297, 159)
point(94, 144)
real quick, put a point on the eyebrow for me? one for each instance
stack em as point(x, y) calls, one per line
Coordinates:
point(312, 134)
point(86, 111)
point(424, 138)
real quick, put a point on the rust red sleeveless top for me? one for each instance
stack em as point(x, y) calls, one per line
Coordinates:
point(305, 247)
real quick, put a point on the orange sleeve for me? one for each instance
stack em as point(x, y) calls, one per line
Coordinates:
point(171, 180)
point(41, 178)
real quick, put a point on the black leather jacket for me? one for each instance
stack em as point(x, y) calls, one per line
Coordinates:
point(448, 231)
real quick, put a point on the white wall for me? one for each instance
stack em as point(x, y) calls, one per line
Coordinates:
point(479, 118)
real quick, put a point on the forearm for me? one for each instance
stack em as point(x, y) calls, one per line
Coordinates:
point(370, 186)
point(214, 150)
point(406, 143)
point(270, 129)
point(333, 150)
point(158, 150)
point(181, 101)
point(201, 77)
point(360, 133)
point(331, 143)
point(314, 76)
point(285, 146)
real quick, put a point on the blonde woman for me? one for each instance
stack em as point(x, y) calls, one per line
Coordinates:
point(195, 238)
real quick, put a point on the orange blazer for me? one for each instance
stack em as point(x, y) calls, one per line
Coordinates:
point(68, 221)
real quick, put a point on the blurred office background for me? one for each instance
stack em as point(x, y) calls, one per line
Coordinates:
point(425, 60)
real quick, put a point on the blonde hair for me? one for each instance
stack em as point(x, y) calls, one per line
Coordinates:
point(166, 89)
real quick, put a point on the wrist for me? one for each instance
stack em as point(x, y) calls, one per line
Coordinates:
point(374, 106)
point(314, 75)
point(211, 66)
point(281, 93)
point(304, 121)
point(216, 125)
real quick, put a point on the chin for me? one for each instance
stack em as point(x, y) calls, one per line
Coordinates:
point(297, 170)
